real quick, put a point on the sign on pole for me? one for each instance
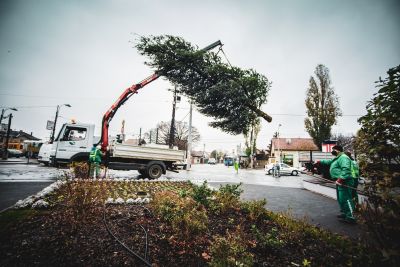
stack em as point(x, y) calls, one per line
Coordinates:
point(50, 125)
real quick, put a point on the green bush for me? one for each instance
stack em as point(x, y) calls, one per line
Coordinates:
point(233, 190)
point(227, 198)
point(255, 209)
point(202, 193)
point(267, 240)
point(230, 251)
point(185, 215)
point(378, 150)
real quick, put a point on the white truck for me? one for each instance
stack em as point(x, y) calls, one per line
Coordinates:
point(75, 140)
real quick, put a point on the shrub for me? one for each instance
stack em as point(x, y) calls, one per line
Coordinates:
point(267, 240)
point(378, 150)
point(202, 193)
point(233, 190)
point(255, 209)
point(185, 215)
point(80, 169)
point(226, 198)
point(230, 251)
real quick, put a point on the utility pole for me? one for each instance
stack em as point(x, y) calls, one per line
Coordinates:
point(55, 121)
point(4, 110)
point(157, 136)
point(172, 129)
point(5, 151)
point(140, 136)
point(189, 147)
point(204, 152)
point(279, 142)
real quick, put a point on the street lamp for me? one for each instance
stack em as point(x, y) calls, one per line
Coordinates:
point(55, 121)
point(4, 110)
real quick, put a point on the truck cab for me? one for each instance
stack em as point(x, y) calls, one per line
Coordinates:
point(73, 143)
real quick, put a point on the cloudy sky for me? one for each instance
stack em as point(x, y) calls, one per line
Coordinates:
point(81, 53)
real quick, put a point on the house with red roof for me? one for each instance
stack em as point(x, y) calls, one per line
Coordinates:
point(290, 150)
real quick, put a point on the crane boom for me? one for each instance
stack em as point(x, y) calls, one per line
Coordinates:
point(126, 95)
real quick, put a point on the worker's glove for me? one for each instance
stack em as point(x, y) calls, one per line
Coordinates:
point(339, 181)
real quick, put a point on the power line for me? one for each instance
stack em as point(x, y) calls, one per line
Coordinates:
point(33, 106)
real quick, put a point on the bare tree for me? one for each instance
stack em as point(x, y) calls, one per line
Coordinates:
point(346, 141)
point(180, 138)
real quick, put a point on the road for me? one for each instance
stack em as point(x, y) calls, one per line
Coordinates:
point(284, 194)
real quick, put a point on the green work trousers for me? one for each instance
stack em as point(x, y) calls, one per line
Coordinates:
point(345, 198)
point(94, 166)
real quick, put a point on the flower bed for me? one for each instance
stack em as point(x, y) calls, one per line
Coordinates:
point(89, 222)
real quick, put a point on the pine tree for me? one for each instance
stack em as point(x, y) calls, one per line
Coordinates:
point(230, 95)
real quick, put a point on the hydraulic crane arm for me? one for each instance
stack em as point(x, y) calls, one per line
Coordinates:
point(126, 95)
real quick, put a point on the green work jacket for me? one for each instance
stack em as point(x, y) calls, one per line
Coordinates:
point(95, 155)
point(355, 169)
point(340, 167)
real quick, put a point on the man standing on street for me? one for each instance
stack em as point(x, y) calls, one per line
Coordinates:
point(340, 170)
point(95, 160)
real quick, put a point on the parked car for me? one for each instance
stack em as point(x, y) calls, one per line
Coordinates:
point(284, 169)
point(212, 161)
point(14, 153)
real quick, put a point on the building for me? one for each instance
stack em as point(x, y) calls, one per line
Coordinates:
point(199, 157)
point(288, 150)
point(16, 139)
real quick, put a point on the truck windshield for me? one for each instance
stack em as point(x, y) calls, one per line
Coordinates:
point(74, 134)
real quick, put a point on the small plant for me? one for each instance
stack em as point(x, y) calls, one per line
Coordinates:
point(230, 251)
point(306, 263)
point(233, 190)
point(202, 193)
point(226, 198)
point(185, 215)
point(80, 169)
point(268, 240)
point(255, 209)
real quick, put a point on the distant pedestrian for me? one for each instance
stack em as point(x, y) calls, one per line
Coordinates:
point(236, 165)
point(277, 170)
point(95, 161)
point(355, 173)
point(340, 170)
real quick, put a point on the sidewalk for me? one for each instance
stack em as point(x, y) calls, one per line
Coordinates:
point(10, 193)
point(300, 203)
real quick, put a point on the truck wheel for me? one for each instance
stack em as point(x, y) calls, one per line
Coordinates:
point(154, 171)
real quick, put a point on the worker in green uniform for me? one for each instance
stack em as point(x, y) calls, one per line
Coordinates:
point(355, 173)
point(340, 170)
point(95, 160)
point(236, 165)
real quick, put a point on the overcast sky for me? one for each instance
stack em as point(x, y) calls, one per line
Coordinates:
point(81, 53)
